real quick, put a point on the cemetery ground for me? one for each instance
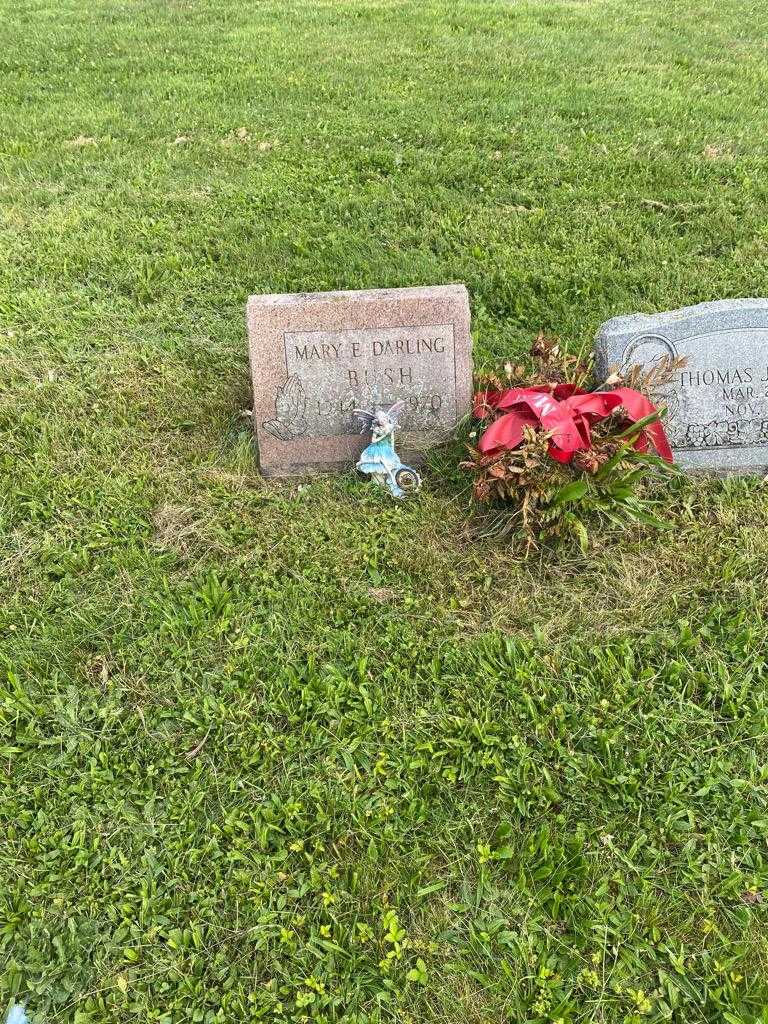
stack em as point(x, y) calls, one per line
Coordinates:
point(281, 751)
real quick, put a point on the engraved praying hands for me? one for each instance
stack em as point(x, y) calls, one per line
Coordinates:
point(290, 408)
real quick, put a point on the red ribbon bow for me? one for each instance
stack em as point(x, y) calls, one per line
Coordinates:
point(568, 412)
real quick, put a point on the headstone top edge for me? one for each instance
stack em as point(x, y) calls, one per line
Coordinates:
point(362, 295)
point(636, 322)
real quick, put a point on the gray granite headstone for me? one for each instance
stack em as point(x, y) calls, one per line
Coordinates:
point(717, 416)
point(317, 357)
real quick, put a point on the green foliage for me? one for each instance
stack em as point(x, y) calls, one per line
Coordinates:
point(617, 495)
point(271, 752)
point(559, 835)
point(540, 501)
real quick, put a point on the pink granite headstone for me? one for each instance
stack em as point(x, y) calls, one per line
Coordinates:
point(317, 357)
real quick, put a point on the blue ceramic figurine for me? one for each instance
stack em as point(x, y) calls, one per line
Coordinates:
point(380, 460)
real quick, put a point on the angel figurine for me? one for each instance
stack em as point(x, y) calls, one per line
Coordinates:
point(380, 460)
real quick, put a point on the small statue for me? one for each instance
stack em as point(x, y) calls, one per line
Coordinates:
point(379, 459)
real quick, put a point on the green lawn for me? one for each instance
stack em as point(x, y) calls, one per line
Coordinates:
point(280, 752)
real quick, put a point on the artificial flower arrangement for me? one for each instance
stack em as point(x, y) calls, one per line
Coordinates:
point(557, 452)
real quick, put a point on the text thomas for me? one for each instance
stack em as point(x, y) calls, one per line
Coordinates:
point(741, 387)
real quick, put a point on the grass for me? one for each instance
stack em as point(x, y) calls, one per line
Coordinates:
point(280, 752)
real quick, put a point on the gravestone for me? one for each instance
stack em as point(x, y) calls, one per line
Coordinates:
point(317, 357)
point(717, 417)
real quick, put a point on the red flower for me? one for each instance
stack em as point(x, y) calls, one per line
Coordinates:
point(565, 411)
